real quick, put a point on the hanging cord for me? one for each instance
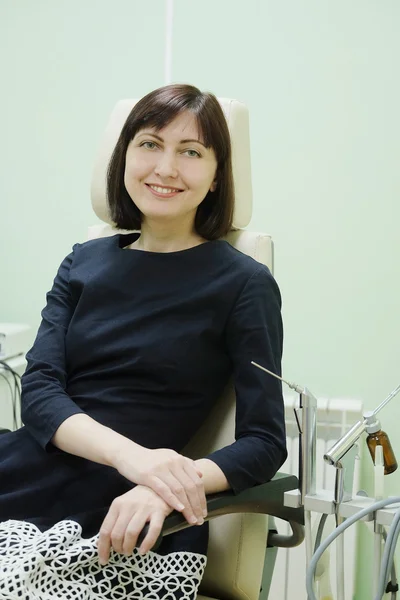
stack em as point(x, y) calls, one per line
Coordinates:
point(388, 554)
point(318, 537)
point(320, 531)
point(392, 586)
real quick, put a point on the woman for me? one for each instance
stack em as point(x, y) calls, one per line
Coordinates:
point(139, 337)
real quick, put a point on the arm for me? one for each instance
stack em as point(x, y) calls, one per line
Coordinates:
point(254, 332)
point(213, 477)
point(83, 436)
point(48, 412)
point(45, 403)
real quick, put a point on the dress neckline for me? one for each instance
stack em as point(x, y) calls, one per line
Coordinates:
point(126, 239)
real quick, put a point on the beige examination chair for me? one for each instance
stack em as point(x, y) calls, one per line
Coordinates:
point(238, 564)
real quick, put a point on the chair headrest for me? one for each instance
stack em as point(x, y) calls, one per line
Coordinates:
point(237, 117)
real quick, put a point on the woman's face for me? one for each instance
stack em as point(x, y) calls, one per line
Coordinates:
point(168, 173)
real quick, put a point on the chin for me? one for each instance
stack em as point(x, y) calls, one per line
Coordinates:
point(156, 215)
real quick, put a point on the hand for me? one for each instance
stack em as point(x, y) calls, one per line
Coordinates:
point(175, 478)
point(126, 518)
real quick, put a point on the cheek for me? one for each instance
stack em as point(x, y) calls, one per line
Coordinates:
point(137, 169)
point(201, 179)
point(129, 178)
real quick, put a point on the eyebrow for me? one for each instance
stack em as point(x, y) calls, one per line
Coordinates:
point(161, 140)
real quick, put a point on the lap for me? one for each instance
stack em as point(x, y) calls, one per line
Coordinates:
point(57, 502)
point(47, 487)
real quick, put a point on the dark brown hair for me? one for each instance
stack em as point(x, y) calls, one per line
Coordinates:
point(157, 109)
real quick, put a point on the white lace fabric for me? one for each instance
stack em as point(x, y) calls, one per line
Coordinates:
point(59, 563)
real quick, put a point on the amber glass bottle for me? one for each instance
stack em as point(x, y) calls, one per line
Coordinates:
point(377, 437)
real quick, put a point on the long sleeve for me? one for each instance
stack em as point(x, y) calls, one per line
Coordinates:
point(45, 403)
point(254, 333)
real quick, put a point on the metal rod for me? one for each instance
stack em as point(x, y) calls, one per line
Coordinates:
point(386, 400)
point(292, 386)
point(308, 404)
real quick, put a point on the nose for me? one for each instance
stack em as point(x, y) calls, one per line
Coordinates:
point(166, 165)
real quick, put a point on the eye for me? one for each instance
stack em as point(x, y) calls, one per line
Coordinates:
point(192, 153)
point(148, 145)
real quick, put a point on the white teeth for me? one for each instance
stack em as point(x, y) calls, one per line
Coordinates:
point(161, 190)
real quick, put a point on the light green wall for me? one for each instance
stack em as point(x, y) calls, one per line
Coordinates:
point(64, 64)
point(321, 81)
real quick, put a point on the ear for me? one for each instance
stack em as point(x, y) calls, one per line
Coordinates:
point(213, 186)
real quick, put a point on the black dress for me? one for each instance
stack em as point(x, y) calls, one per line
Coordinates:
point(144, 343)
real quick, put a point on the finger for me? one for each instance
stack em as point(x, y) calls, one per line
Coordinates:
point(193, 492)
point(119, 531)
point(178, 482)
point(165, 492)
point(200, 486)
point(104, 541)
point(174, 485)
point(200, 489)
point(155, 527)
point(170, 486)
point(133, 530)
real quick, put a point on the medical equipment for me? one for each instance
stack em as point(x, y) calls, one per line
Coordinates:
point(342, 446)
point(15, 339)
point(346, 509)
point(307, 450)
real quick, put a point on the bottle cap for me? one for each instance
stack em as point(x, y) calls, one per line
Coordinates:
point(372, 423)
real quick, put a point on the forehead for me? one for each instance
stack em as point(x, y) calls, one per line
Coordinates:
point(183, 126)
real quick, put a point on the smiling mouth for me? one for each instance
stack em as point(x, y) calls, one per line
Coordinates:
point(163, 191)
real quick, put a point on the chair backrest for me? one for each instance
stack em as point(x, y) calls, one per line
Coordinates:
point(237, 542)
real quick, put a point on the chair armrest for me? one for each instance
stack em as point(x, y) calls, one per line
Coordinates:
point(265, 499)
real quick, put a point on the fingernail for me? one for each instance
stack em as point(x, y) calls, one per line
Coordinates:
point(193, 520)
point(200, 521)
point(204, 513)
point(181, 506)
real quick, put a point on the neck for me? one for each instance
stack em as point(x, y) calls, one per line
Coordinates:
point(164, 239)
